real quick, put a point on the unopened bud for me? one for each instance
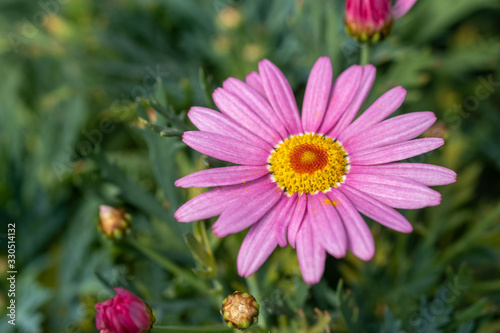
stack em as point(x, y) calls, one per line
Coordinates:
point(124, 313)
point(240, 310)
point(113, 222)
point(368, 21)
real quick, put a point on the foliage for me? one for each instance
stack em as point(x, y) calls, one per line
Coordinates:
point(83, 82)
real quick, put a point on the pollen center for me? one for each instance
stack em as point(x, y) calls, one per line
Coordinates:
point(307, 158)
point(308, 163)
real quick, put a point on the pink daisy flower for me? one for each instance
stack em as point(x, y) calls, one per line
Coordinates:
point(305, 179)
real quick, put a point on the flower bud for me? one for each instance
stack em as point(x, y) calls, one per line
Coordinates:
point(113, 222)
point(124, 313)
point(240, 310)
point(370, 21)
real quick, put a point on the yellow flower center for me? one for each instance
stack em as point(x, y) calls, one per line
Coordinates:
point(308, 163)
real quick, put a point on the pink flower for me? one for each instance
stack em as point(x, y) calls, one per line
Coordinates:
point(124, 313)
point(306, 179)
point(370, 21)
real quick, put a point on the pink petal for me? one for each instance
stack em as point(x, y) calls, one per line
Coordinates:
point(257, 103)
point(283, 214)
point(250, 207)
point(223, 176)
point(317, 94)
point(365, 86)
point(100, 320)
point(395, 152)
point(255, 81)
point(127, 294)
point(394, 130)
point(297, 218)
point(426, 174)
point(310, 253)
point(110, 320)
point(382, 108)
point(360, 239)
point(117, 320)
point(280, 94)
point(138, 315)
point(213, 202)
point(376, 210)
point(401, 7)
point(327, 225)
point(343, 92)
point(395, 191)
point(257, 246)
point(234, 107)
point(215, 122)
point(225, 148)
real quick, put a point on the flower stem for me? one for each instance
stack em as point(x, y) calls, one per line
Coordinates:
point(365, 54)
point(254, 289)
point(193, 329)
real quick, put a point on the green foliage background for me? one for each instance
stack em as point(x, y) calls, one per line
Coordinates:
point(75, 75)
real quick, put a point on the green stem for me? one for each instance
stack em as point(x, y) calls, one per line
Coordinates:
point(365, 54)
point(486, 286)
point(168, 113)
point(200, 230)
point(254, 289)
point(170, 266)
point(197, 329)
point(162, 130)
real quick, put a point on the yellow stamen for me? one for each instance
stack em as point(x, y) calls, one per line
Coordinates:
point(308, 163)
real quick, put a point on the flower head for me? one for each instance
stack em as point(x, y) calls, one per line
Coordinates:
point(305, 179)
point(370, 21)
point(240, 310)
point(124, 313)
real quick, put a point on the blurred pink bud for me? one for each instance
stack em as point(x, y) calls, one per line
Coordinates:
point(370, 21)
point(124, 313)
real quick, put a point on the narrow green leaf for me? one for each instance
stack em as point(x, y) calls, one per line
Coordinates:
point(200, 253)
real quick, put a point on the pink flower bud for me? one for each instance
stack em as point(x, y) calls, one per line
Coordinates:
point(124, 313)
point(370, 21)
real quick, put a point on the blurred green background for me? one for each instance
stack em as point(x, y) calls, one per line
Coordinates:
point(75, 75)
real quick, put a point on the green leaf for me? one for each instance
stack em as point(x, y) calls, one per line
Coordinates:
point(135, 195)
point(202, 256)
point(206, 88)
point(162, 152)
point(391, 325)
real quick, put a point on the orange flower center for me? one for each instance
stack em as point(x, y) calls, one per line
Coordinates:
point(308, 158)
point(308, 163)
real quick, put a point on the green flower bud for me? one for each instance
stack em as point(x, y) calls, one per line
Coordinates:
point(113, 222)
point(240, 310)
